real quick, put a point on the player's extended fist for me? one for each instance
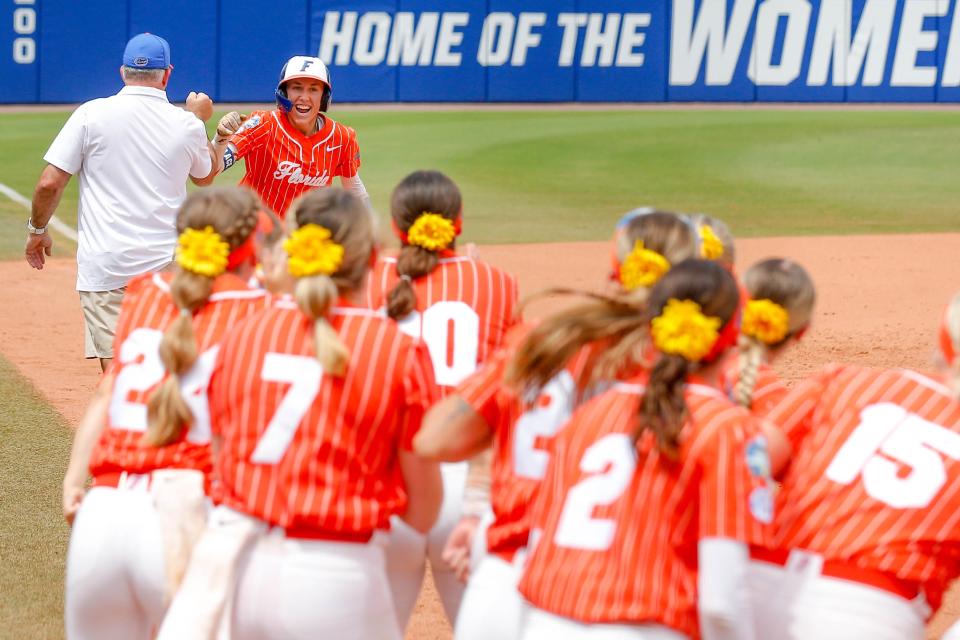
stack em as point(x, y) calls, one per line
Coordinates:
point(229, 125)
point(200, 105)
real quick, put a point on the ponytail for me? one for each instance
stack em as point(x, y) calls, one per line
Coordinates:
point(167, 411)
point(663, 410)
point(413, 262)
point(779, 307)
point(315, 295)
point(329, 254)
point(614, 323)
point(213, 223)
point(426, 211)
point(691, 318)
point(752, 355)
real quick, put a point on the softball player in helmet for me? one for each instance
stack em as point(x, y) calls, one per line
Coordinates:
point(297, 146)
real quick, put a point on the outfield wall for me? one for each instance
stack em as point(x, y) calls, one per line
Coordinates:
point(500, 50)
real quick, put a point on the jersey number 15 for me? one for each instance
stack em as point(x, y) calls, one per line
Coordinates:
point(887, 435)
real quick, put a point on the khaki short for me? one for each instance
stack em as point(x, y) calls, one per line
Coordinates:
point(101, 309)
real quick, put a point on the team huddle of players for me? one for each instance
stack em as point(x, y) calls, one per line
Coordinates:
point(295, 423)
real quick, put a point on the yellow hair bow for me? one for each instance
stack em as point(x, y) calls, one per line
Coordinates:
point(642, 267)
point(203, 252)
point(766, 321)
point(682, 329)
point(312, 251)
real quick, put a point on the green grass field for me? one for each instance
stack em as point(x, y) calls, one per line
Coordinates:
point(534, 176)
point(526, 177)
point(34, 448)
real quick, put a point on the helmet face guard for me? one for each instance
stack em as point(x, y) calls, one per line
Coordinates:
point(306, 67)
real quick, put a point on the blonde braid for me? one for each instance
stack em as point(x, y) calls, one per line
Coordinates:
point(232, 212)
point(751, 356)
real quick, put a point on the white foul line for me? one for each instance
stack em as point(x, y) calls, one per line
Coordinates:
point(55, 222)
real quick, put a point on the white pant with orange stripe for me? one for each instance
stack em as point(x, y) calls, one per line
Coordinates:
point(306, 589)
point(541, 625)
point(408, 550)
point(126, 551)
point(799, 603)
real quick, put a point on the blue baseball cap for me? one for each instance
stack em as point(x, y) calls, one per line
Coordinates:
point(147, 51)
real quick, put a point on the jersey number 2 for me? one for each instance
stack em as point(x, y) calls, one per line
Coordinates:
point(551, 411)
point(887, 435)
point(142, 370)
point(613, 459)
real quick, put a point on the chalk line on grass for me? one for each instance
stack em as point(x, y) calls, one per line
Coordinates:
point(62, 227)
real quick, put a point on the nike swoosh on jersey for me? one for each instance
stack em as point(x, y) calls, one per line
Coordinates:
point(329, 148)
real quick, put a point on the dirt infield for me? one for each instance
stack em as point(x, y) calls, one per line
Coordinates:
point(879, 297)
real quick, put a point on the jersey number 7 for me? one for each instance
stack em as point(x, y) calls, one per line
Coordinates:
point(303, 374)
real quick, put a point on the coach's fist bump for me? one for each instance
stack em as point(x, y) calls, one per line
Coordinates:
point(200, 105)
point(229, 124)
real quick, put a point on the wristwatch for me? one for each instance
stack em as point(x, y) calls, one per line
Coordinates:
point(37, 231)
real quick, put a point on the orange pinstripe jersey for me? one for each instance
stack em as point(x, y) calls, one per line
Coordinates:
point(304, 449)
point(283, 164)
point(619, 522)
point(146, 312)
point(875, 476)
point(522, 433)
point(464, 309)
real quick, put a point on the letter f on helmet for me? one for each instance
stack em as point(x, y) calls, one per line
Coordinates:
point(303, 67)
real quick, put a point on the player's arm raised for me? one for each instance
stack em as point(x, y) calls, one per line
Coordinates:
point(221, 147)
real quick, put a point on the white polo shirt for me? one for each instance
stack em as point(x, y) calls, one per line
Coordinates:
point(132, 153)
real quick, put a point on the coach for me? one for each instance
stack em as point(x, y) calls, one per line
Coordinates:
point(132, 153)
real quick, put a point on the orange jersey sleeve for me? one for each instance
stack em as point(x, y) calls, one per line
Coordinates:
point(255, 132)
point(796, 411)
point(768, 392)
point(485, 391)
point(349, 163)
point(736, 488)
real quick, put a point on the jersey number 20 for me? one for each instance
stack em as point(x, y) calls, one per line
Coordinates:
point(451, 331)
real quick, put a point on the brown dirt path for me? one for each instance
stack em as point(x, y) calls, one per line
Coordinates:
point(878, 305)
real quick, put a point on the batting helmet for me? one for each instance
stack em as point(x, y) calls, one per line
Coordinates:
point(303, 67)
